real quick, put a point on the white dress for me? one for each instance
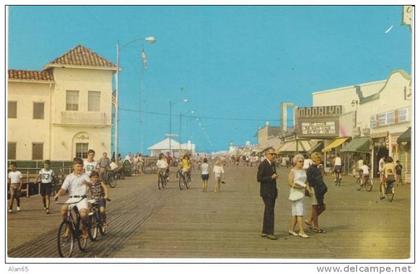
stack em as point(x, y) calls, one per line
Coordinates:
point(299, 178)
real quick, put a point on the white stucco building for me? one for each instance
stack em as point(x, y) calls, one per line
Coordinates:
point(60, 112)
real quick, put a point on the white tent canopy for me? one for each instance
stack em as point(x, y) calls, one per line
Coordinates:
point(175, 147)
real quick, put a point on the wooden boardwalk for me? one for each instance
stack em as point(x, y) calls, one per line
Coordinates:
point(148, 223)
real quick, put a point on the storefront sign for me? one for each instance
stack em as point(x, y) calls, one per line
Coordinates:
point(318, 122)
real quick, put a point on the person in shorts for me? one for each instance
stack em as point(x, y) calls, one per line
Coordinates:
point(99, 192)
point(76, 185)
point(15, 182)
point(389, 173)
point(46, 176)
point(204, 167)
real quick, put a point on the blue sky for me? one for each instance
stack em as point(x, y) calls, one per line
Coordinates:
point(234, 64)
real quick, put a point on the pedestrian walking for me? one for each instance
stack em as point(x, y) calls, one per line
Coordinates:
point(46, 176)
point(297, 184)
point(398, 172)
point(14, 179)
point(204, 167)
point(318, 189)
point(267, 176)
point(218, 174)
point(389, 177)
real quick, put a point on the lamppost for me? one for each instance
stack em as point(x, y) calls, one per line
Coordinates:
point(148, 39)
point(171, 105)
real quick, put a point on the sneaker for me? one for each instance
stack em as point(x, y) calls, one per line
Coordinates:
point(10, 211)
point(47, 211)
point(18, 209)
point(264, 235)
point(291, 232)
point(303, 235)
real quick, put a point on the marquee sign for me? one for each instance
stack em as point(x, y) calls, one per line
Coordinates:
point(318, 122)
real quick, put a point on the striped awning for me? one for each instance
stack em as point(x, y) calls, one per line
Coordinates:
point(336, 143)
point(291, 146)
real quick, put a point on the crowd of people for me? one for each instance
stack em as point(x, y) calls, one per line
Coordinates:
point(305, 180)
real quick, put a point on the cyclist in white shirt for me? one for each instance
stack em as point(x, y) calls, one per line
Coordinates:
point(15, 181)
point(205, 174)
point(90, 164)
point(163, 167)
point(364, 173)
point(46, 175)
point(76, 184)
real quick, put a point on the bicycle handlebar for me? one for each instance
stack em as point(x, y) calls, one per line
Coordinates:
point(66, 203)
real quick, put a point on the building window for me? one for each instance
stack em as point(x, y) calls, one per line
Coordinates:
point(403, 115)
point(12, 109)
point(81, 150)
point(37, 151)
point(11, 151)
point(72, 100)
point(390, 118)
point(373, 123)
point(94, 100)
point(381, 120)
point(38, 111)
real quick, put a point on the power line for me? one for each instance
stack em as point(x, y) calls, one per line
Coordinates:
point(205, 117)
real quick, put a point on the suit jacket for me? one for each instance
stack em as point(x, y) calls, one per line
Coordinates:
point(268, 185)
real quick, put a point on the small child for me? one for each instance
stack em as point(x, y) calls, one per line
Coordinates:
point(99, 192)
point(46, 176)
point(364, 171)
point(15, 181)
point(205, 174)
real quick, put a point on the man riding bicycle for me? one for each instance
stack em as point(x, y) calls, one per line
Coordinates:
point(104, 165)
point(163, 167)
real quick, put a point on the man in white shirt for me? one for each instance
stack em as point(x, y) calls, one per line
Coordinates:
point(337, 170)
point(76, 184)
point(46, 175)
point(205, 174)
point(15, 181)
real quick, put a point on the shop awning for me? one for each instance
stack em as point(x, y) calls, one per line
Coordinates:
point(337, 142)
point(317, 147)
point(302, 146)
point(360, 144)
point(405, 137)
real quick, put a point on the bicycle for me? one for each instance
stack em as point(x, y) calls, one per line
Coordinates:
point(184, 179)
point(365, 182)
point(162, 178)
point(108, 177)
point(69, 231)
point(389, 190)
point(96, 222)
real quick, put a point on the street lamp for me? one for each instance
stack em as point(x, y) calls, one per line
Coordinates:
point(148, 39)
point(171, 105)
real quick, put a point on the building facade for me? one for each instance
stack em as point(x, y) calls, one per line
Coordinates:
point(380, 110)
point(62, 111)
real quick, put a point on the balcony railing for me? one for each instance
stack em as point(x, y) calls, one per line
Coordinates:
point(85, 118)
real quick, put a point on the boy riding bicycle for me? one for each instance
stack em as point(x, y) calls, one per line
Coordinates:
point(99, 192)
point(185, 166)
point(163, 167)
point(76, 186)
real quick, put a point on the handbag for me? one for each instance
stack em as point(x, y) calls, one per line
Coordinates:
point(308, 193)
point(296, 194)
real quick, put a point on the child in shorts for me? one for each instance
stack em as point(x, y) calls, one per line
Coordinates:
point(46, 176)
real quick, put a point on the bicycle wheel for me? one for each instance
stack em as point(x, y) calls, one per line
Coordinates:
point(181, 182)
point(112, 183)
point(93, 227)
point(369, 185)
point(65, 240)
point(82, 242)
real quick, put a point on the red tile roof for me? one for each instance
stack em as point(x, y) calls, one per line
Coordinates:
point(82, 56)
point(34, 75)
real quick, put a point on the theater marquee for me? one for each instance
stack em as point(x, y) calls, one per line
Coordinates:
point(318, 122)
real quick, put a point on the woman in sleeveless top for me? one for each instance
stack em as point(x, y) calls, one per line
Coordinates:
point(297, 184)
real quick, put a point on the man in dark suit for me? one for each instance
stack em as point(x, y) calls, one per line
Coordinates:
point(267, 176)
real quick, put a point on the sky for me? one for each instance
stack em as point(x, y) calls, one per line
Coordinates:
point(234, 64)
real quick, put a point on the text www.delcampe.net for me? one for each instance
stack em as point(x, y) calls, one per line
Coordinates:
point(365, 269)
